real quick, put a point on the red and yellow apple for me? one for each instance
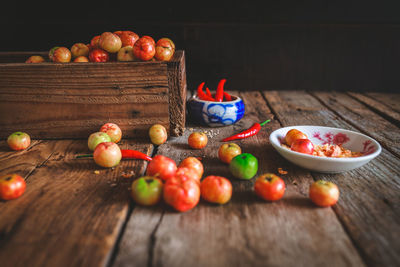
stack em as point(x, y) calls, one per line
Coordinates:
point(126, 54)
point(216, 189)
point(158, 134)
point(110, 42)
point(81, 59)
point(182, 193)
point(18, 141)
point(98, 55)
point(162, 167)
point(144, 48)
point(227, 152)
point(35, 59)
point(107, 154)
point(193, 163)
point(165, 49)
point(62, 54)
point(128, 38)
point(79, 49)
point(112, 130)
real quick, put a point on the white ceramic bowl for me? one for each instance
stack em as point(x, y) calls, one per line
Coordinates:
point(320, 135)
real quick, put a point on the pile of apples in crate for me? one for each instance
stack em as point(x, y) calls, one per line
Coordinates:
point(117, 46)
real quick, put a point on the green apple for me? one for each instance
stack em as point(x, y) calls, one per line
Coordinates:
point(244, 166)
point(147, 190)
point(97, 138)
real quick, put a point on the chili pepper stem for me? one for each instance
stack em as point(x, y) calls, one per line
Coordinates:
point(265, 122)
point(84, 156)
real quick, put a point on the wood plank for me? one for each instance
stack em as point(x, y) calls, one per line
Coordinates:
point(69, 215)
point(246, 231)
point(364, 119)
point(386, 105)
point(369, 203)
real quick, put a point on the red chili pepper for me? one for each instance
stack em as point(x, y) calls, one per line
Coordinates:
point(208, 92)
point(220, 91)
point(253, 130)
point(202, 95)
point(227, 96)
point(126, 154)
point(134, 154)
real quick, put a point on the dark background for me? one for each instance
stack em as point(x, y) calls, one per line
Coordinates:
point(262, 45)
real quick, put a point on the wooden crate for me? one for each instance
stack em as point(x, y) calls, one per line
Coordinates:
point(71, 100)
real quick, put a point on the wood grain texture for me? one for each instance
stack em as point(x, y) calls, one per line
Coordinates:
point(363, 119)
point(177, 93)
point(247, 231)
point(387, 105)
point(69, 215)
point(369, 202)
point(54, 100)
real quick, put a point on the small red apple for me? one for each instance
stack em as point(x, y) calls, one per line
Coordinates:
point(19, 141)
point(62, 54)
point(293, 135)
point(165, 49)
point(197, 140)
point(127, 37)
point(161, 167)
point(182, 193)
point(113, 131)
point(110, 42)
point(144, 48)
point(216, 189)
point(79, 49)
point(35, 59)
point(303, 146)
point(98, 55)
point(227, 152)
point(12, 186)
point(94, 43)
point(194, 164)
point(107, 155)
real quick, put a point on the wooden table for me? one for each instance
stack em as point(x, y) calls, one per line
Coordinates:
point(71, 216)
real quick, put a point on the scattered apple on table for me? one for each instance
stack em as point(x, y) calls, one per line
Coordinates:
point(12, 186)
point(269, 187)
point(165, 49)
point(18, 141)
point(197, 140)
point(244, 166)
point(158, 134)
point(227, 152)
point(107, 154)
point(216, 189)
point(61, 54)
point(182, 193)
point(147, 190)
point(35, 59)
point(189, 172)
point(96, 138)
point(324, 193)
point(113, 131)
point(162, 167)
point(194, 164)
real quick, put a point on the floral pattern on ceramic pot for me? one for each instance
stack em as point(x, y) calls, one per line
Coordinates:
point(216, 114)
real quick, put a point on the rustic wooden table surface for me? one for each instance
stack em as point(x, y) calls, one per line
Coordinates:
point(71, 216)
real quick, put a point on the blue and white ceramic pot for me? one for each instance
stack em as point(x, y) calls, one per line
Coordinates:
point(216, 114)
